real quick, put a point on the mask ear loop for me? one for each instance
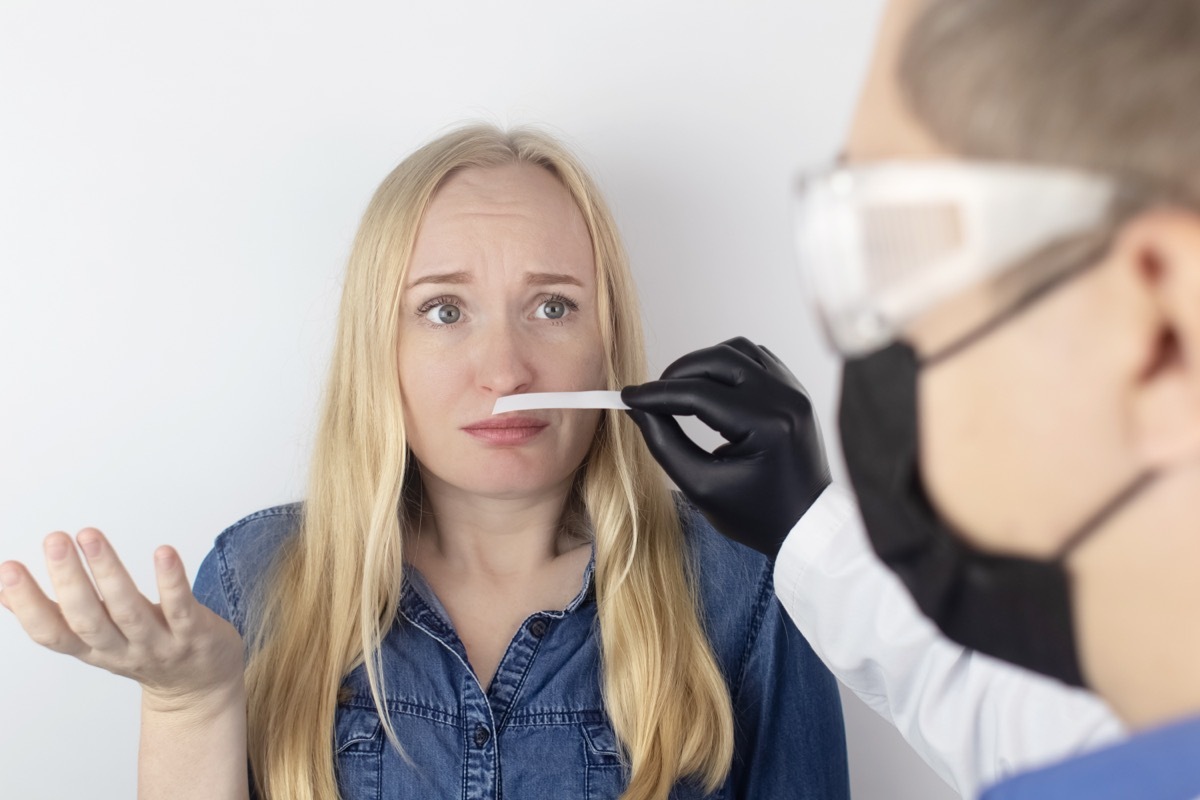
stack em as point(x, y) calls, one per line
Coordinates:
point(1097, 519)
point(1140, 482)
point(1136, 486)
point(1022, 304)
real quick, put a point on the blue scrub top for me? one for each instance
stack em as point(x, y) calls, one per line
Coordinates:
point(1161, 764)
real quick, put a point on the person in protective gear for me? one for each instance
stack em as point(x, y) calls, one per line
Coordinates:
point(1007, 257)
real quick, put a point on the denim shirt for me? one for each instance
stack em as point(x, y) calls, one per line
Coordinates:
point(540, 730)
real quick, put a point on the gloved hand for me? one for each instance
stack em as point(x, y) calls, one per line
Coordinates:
point(755, 487)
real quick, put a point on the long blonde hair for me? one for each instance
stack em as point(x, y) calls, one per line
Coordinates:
point(335, 589)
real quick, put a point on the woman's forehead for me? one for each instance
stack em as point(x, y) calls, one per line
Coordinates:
point(516, 190)
point(517, 215)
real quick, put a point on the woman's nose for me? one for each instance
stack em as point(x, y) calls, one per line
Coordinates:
point(505, 363)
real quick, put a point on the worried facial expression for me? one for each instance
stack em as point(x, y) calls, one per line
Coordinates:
point(500, 298)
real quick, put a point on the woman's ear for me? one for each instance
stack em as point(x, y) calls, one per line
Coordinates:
point(1159, 252)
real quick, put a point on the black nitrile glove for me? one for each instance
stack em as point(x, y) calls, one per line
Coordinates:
point(755, 487)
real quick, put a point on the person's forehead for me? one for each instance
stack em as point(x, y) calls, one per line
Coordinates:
point(884, 127)
point(512, 190)
point(521, 208)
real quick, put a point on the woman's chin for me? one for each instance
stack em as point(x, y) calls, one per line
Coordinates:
point(509, 491)
point(505, 473)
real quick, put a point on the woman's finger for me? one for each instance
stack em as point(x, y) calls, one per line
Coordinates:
point(81, 606)
point(38, 615)
point(129, 611)
point(9, 573)
point(179, 606)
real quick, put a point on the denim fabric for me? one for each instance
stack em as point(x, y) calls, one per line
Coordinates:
point(540, 731)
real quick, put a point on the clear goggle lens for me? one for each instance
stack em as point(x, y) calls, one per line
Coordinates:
point(881, 244)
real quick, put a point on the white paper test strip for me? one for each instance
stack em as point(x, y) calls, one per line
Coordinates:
point(541, 400)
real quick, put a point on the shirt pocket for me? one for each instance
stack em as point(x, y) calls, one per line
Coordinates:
point(358, 752)
point(605, 779)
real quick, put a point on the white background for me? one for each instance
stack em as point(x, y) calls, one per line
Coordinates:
point(179, 185)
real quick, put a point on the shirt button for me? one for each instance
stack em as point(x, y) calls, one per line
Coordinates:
point(482, 735)
point(538, 628)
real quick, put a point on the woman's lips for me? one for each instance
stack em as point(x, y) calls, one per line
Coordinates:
point(515, 429)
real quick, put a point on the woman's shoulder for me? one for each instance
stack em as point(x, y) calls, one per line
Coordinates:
point(241, 556)
point(768, 663)
point(733, 582)
point(717, 558)
point(253, 539)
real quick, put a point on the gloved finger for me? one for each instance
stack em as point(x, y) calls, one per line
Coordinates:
point(778, 361)
point(681, 458)
point(749, 349)
point(781, 370)
point(723, 408)
point(723, 362)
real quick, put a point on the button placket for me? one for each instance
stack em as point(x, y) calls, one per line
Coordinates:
point(480, 742)
point(482, 735)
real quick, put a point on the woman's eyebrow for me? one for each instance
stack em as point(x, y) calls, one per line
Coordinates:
point(551, 278)
point(531, 278)
point(445, 277)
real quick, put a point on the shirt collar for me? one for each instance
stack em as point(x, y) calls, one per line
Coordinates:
point(418, 600)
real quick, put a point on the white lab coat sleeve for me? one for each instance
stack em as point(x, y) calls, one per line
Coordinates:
point(973, 718)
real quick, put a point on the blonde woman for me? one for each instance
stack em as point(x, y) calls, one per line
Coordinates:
point(466, 605)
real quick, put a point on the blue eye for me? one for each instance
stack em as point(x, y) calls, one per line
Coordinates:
point(553, 309)
point(444, 314)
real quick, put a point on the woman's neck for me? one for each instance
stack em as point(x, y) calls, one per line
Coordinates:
point(494, 561)
point(494, 537)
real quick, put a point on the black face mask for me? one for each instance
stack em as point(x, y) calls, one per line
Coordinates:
point(1017, 609)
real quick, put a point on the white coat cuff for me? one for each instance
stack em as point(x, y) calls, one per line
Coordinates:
point(812, 534)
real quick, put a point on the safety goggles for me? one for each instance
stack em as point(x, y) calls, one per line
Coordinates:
point(880, 244)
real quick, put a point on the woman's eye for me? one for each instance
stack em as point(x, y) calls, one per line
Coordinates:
point(444, 314)
point(552, 309)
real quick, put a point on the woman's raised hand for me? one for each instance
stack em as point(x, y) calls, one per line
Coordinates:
point(184, 656)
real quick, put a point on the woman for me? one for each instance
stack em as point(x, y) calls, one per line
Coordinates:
point(467, 604)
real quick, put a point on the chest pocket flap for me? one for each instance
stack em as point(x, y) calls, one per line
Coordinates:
point(602, 743)
point(357, 730)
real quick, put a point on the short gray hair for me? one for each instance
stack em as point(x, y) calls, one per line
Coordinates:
point(1106, 85)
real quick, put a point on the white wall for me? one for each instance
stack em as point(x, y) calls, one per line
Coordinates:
point(179, 184)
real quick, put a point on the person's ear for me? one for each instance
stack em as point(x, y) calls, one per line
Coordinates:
point(1159, 252)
